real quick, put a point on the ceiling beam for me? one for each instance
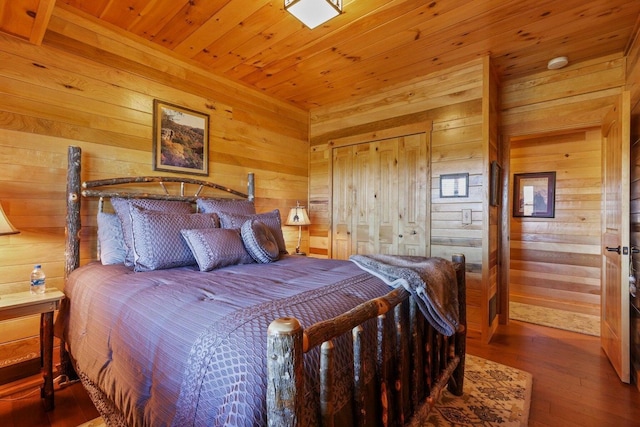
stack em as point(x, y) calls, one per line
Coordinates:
point(41, 21)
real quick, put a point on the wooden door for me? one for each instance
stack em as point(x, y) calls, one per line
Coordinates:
point(615, 237)
point(381, 197)
point(363, 221)
point(343, 201)
point(413, 195)
point(386, 197)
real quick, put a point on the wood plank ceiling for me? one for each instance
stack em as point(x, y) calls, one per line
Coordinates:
point(373, 44)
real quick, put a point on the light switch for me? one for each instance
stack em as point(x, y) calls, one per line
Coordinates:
point(466, 216)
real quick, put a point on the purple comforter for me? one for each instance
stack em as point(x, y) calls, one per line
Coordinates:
point(182, 347)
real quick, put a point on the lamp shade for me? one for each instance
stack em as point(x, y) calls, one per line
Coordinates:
point(5, 225)
point(298, 216)
point(313, 12)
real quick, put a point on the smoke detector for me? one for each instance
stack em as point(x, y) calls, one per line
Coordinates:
point(559, 62)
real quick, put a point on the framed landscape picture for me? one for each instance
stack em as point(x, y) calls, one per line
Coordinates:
point(180, 139)
point(534, 194)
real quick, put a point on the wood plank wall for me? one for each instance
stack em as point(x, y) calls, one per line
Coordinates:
point(94, 88)
point(555, 262)
point(562, 250)
point(452, 99)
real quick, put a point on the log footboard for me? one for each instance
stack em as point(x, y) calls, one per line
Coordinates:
point(414, 363)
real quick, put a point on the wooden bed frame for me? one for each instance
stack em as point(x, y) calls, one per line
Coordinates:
point(414, 362)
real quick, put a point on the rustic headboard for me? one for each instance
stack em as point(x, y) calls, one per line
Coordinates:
point(101, 189)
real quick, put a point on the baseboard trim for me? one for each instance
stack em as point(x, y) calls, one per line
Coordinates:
point(19, 370)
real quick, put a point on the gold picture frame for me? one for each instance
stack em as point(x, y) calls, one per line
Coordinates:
point(180, 139)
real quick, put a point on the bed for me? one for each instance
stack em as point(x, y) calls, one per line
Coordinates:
point(244, 334)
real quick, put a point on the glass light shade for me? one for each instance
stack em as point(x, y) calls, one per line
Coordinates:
point(313, 12)
point(5, 225)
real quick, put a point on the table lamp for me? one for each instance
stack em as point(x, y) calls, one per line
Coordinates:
point(5, 225)
point(298, 216)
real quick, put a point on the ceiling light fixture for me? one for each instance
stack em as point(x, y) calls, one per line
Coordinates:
point(556, 63)
point(313, 12)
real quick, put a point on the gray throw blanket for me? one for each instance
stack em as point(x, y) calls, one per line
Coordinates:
point(431, 282)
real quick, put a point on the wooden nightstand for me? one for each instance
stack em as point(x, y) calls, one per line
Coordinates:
point(21, 304)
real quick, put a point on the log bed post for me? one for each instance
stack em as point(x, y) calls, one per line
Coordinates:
point(326, 383)
point(72, 228)
point(285, 372)
point(251, 186)
point(457, 379)
point(359, 407)
point(72, 247)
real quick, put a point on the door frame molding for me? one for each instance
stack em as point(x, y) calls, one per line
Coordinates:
point(393, 132)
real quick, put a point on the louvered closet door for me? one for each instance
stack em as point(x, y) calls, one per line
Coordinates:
point(380, 197)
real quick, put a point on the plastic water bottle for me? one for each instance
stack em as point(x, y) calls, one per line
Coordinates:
point(37, 286)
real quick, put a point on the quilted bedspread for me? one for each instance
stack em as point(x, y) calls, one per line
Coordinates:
point(431, 281)
point(182, 347)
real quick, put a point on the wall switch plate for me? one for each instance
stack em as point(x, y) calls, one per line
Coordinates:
point(466, 216)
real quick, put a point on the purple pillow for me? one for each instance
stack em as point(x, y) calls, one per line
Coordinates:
point(121, 207)
point(216, 247)
point(232, 206)
point(270, 219)
point(157, 241)
point(259, 241)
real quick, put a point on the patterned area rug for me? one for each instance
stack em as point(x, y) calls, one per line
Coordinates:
point(560, 319)
point(98, 422)
point(494, 395)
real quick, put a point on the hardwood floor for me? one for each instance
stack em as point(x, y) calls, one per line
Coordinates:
point(573, 384)
point(24, 408)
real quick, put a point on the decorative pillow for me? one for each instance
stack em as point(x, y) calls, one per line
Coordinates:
point(121, 206)
point(232, 206)
point(157, 242)
point(270, 219)
point(216, 247)
point(111, 245)
point(259, 241)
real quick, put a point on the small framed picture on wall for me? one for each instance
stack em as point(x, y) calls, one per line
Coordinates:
point(454, 185)
point(534, 194)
